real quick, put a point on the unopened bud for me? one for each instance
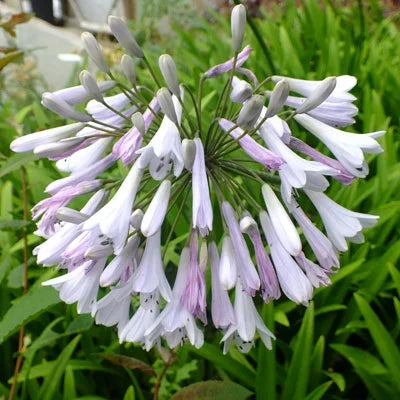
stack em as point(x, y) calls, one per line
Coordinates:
point(70, 215)
point(94, 52)
point(60, 107)
point(124, 36)
point(277, 98)
point(189, 153)
point(138, 122)
point(318, 95)
point(227, 266)
point(58, 148)
point(241, 91)
point(136, 218)
point(128, 68)
point(102, 250)
point(168, 71)
point(238, 25)
point(251, 111)
point(167, 105)
point(90, 85)
point(247, 223)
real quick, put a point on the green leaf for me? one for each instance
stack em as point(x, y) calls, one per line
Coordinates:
point(130, 393)
point(51, 382)
point(212, 390)
point(330, 308)
point(338, 379)
point(69, 384)
point(26, 308)
point(128, 362)
point(386, 346)
point(296, 382)
point(16, 161)
point(14, 224)
point(231, 366)
point(318, 392)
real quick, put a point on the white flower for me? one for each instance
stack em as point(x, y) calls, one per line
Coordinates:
point(344, 84)
point(340, 223)
point(150, 275)
point(247, 322)
point(113, 218)
point(165, 148)
point(227, 266)
point(155, 213)
point(292, 280)
point(347, 147)
point(202, 209)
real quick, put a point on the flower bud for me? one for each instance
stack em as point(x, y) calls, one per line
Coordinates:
point(138, 122)
point(227, 266)
point(167, 105)
point(136, 218)
point(102, 250)
point(238, 25)
point(189, 153)
point(90, 85)
point(318, 95)
point(277, 98)
point(58, 148)
point(128, 68)
point(29, 142)
point(94, 52)
point(251, 111)
point(247, 224)
point(60, 107)
point(241, 91)
point(124, 36)
point(168, 71)
point(70, 215)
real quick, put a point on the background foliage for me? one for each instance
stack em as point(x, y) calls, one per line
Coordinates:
point(342, 346)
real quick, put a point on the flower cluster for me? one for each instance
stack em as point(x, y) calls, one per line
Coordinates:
point(180, 154)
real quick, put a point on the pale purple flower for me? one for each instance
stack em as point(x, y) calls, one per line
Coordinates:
point(257, 152)
point(246, 270)
point(248, 321)
point(88, 174)
point(80, 285)
point(194, 293)
point(316, 275)
point(227, 267)
point(123, 265)
point(50, 252)
point(348, 148)
point(113, 308)
point(53, 135)
point(126, 147)
point(344, 84)
point(175, 323)
point(77, 94)
point(340, 223)
point(269, 282)
point(221, 307)
point(48, 207)
point(202, 209)
point(319, 243)
point(113, 218)
point(150, 275)
point(283, 225)
point(292, 279)
point(165, 148)
point(85, 157)
point(221, 69)
point(143, 318)
point(343, 175)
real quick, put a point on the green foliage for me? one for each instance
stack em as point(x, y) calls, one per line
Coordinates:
point(344, 345)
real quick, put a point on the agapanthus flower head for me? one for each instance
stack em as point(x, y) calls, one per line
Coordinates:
point(188, 168)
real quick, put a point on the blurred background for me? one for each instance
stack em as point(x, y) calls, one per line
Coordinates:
point(344, 345)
